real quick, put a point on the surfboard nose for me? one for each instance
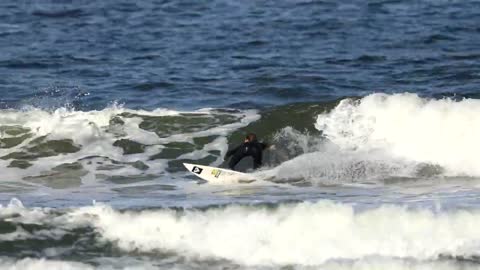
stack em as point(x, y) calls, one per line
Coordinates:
point(188, 166)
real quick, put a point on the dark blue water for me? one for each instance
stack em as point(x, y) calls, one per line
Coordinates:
point(191, 54)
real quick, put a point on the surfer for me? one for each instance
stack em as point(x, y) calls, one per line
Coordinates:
point(250, 147)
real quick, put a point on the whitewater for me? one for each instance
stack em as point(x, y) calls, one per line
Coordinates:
point(386, 181)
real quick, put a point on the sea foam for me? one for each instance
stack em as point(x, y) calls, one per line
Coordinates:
point(300, 234)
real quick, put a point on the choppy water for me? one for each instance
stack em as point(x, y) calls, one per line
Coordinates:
point(372, 105)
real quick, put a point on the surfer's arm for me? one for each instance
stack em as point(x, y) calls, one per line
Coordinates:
point(267, 146)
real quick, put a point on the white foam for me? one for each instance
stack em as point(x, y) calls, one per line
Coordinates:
point(16, 213)
point(397, 264)
point(34, 264)
point(309, 157)
point(132, 264)
point(29, 216)
point(300, 234)
point(93, 133)
point(406, 127)
point(331, 166)
point(296, 142)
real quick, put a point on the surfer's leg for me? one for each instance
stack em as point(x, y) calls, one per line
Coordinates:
point(234, 160)
point(257, 158)
point(257, 161)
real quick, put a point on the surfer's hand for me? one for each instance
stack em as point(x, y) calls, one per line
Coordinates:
point(272, 147)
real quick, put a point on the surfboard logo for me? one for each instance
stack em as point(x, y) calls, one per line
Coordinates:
point(216, 173)
point(197, 170)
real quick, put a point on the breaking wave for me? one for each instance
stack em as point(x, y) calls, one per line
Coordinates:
point(304, 234)
point(383, 136)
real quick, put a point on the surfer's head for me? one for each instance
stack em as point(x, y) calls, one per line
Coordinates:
point(251, 137)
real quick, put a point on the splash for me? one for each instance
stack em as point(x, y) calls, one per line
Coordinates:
point(406, 127)
point(381, 137)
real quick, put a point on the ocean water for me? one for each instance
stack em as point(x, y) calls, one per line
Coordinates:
point(373, 107)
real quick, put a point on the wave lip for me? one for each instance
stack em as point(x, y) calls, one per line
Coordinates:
point(405, 126)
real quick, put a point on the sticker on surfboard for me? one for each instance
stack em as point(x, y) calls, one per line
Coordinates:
point(197, 170)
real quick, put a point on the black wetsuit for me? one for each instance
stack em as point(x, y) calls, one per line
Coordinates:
point(253, 149)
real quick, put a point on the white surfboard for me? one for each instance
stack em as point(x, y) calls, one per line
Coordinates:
point(218, 175)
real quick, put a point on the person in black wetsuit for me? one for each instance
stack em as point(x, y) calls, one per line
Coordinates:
point(250, 147)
